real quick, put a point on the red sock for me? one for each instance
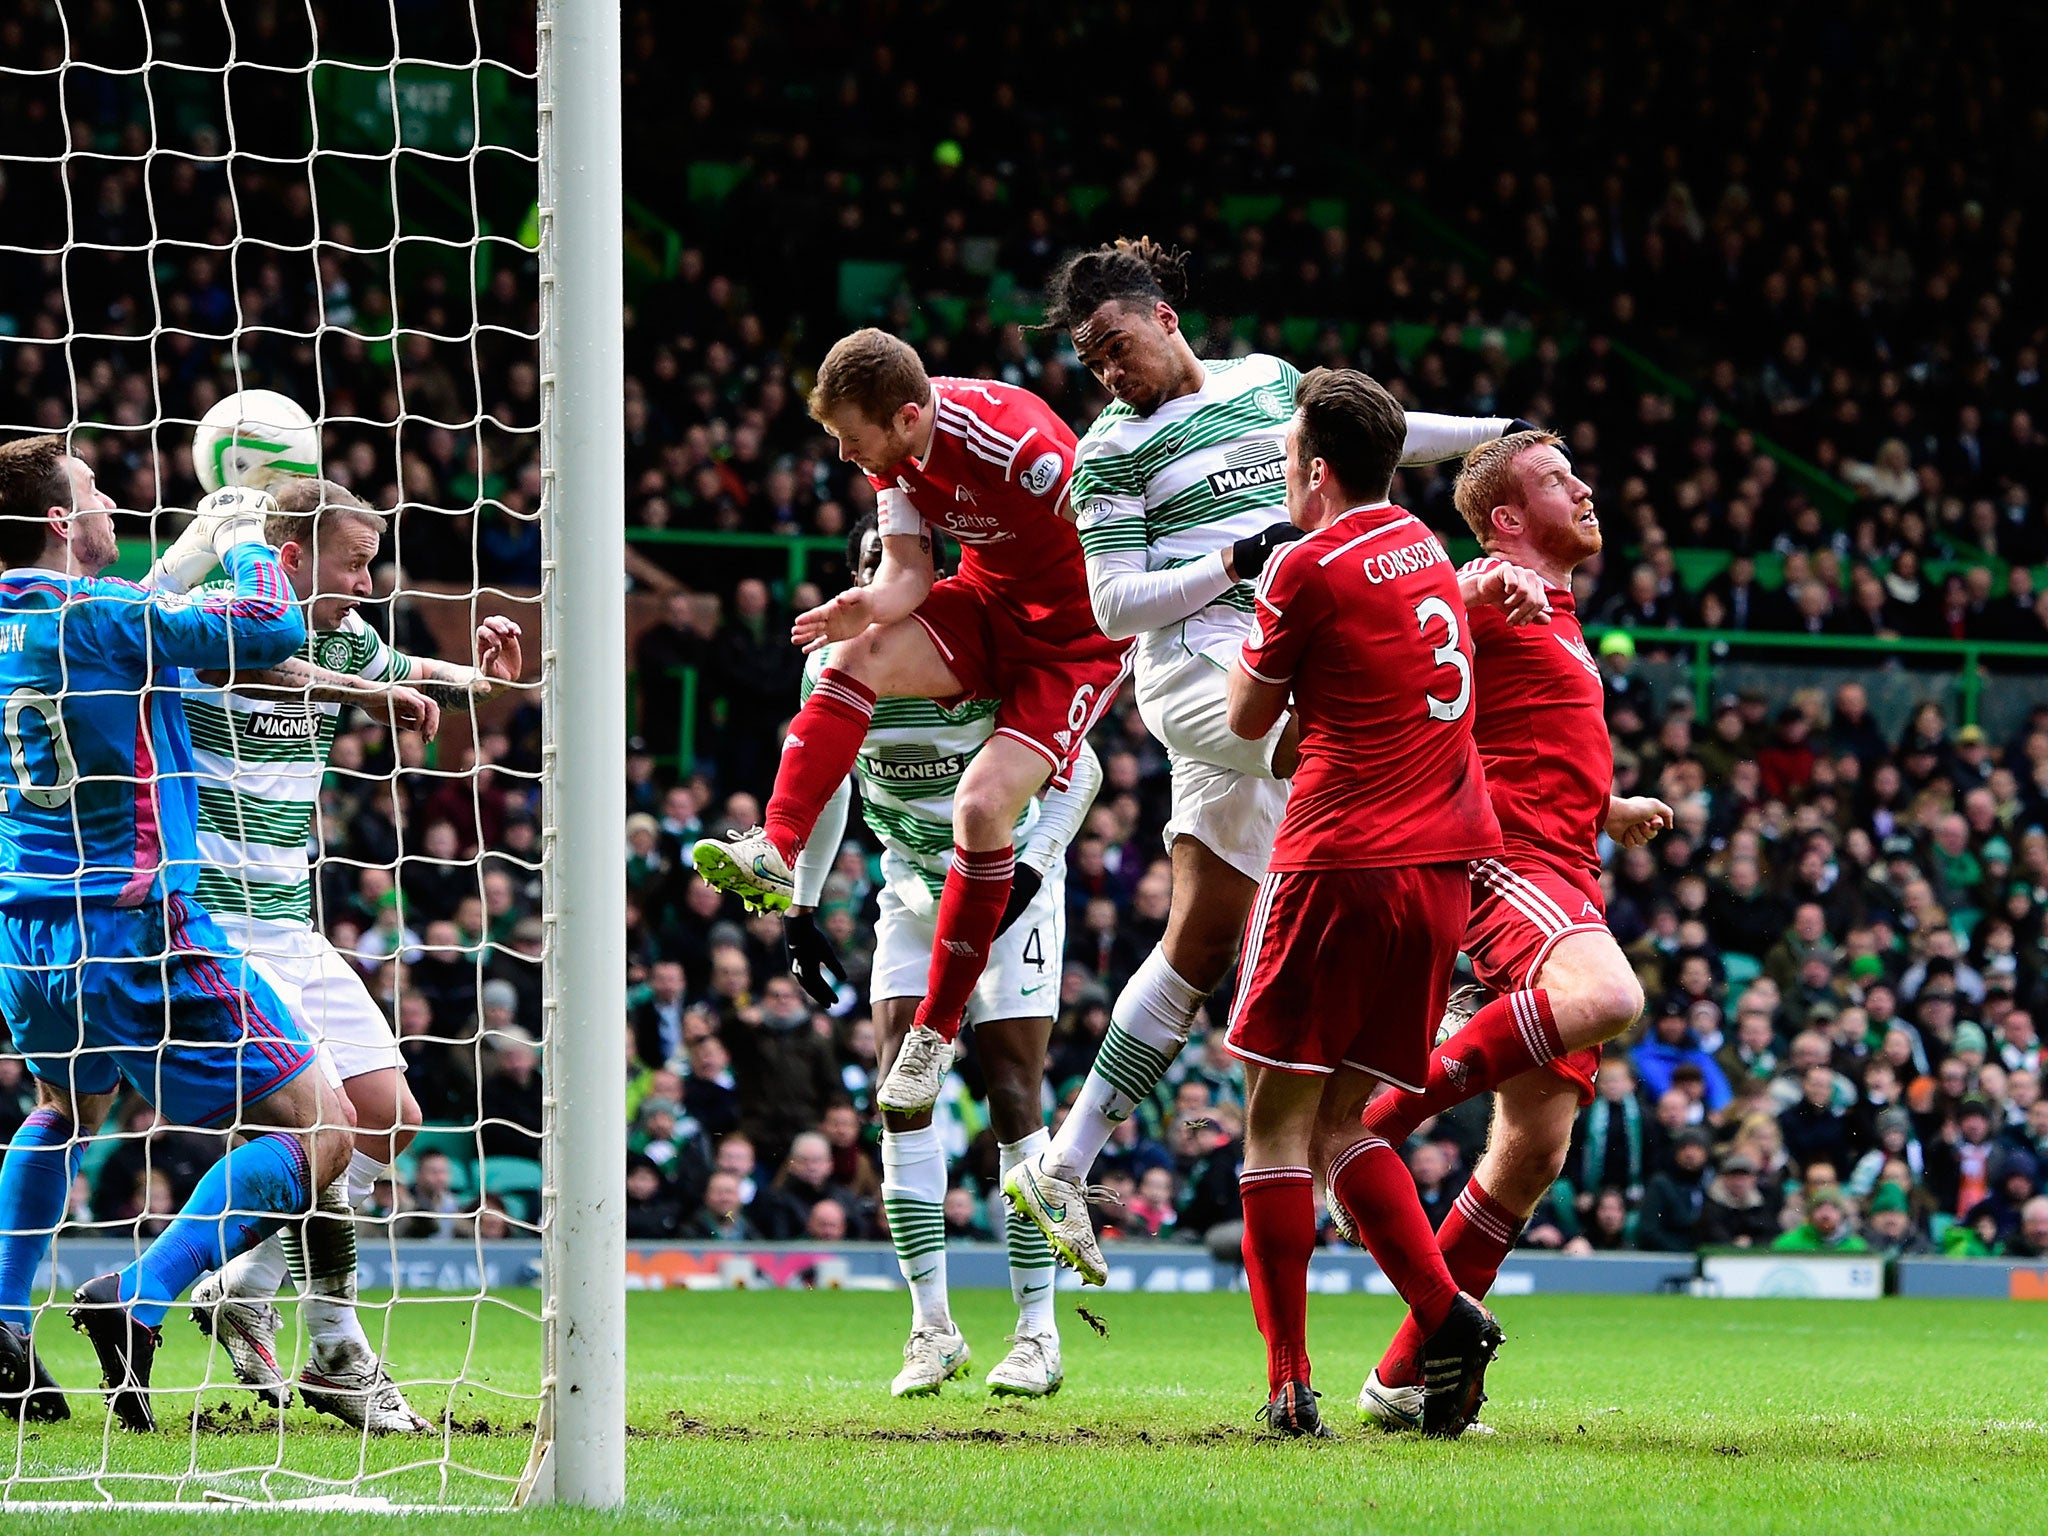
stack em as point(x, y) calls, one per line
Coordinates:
point(970, 909)
point(824, 739)
point(1474, 1239)
point(1379, 1194)
point(1504, 1039)
point(1279, 1236)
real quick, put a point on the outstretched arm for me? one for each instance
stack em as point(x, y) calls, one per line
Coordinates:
point(821, 848)
point(901, 581)
point(1060, 815)
point(253, 621)
point(1129, 600)
point(1433, 438)
point(403, 708)
point(499, 661)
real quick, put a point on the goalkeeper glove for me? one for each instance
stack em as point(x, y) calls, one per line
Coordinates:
point(1523, 424)
point(184, 563)
point(1024, 886)
point(234, 515)
point(1249, 556)
point(812, 959)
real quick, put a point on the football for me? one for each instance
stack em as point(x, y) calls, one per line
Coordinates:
point(252, 435)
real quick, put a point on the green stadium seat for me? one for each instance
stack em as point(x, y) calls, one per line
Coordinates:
point(458, 1141)
point(1697, 567)
point(1242, 208)
point(1740, 969)
point(1300, 332)
point(712, 181)
point(1086, 199)
point(515, 1180)
point(867, 288)
point(947, 314)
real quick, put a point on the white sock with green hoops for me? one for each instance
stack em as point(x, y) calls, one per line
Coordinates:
point(914, 1196)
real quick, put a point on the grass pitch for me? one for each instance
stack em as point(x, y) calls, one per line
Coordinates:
point(760, 1410)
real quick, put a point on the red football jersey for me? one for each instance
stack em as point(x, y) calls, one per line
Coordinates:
point(1363, 618)
point(1542, 732)
point(995, 478)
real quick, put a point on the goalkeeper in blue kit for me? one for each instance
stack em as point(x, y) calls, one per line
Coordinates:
point(109, 971)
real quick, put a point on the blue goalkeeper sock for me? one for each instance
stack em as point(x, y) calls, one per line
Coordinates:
point(35, 1187)
point(237, 1203)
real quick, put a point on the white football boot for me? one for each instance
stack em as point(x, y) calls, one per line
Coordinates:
point(1030, 1369)
point(918, 1073)
point(1458, 1010)
point(247, 1329)
point(747, 866)
point(1058, 1207)
point(348, 1382)
point(1394, 1409)
point(931, 1358)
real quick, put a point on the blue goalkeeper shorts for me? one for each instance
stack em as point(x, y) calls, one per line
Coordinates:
point(154, 996)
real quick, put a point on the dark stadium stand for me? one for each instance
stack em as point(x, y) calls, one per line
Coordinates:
point(1776, 307)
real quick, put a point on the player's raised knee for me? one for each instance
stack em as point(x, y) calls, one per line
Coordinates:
point(1617, 999)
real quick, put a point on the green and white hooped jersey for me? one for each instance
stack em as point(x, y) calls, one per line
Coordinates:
point(1200, 472)
point(261, 763)
point(909, 766)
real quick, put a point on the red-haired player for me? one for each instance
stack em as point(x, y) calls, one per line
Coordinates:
point(1538, 937)
point(1348, 952)
point(989, 465)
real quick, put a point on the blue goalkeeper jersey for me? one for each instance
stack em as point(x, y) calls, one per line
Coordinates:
point(98, 799)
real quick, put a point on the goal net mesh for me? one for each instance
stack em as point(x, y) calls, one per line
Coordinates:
point(335, 202)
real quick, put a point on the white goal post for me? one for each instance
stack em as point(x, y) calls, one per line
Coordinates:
point(584, 497)
point(421, 248)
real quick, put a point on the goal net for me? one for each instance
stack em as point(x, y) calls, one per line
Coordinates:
point(345, 206)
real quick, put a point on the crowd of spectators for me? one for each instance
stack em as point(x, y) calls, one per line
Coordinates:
point(1844, 944)
point(1694, 190)
point(1760, 271)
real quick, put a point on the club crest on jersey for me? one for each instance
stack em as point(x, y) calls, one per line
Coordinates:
point(333, 653)
point(1579, 652)
point(1043, 474)
point(1259, 462)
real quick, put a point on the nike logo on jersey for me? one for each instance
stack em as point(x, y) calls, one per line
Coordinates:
point(1027, 991)
point(1579, 652)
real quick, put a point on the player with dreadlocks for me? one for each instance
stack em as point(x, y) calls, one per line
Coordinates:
point(1179, 494)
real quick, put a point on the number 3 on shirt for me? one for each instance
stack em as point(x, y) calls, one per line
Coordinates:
point(1445, 655)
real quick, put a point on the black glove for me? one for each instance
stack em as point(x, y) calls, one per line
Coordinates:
point(1024, 886)
point(812, 960)
point(1249, 555)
